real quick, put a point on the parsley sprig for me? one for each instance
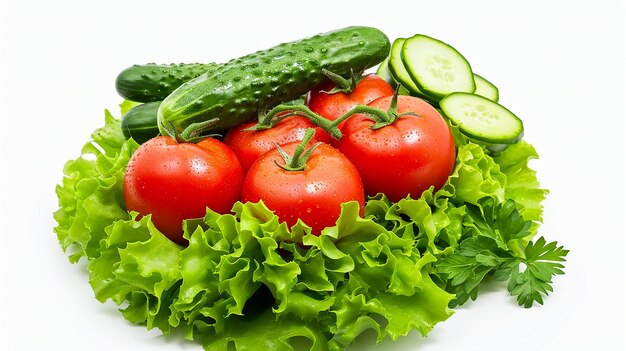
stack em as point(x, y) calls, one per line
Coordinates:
point(495, 248)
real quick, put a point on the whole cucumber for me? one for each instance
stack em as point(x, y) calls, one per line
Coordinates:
point(152, 82)
point(140, 122)
point(234, 92)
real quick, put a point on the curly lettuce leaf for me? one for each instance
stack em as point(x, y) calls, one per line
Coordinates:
point(522, 184)
point(90, 196)
point(128, 259)
point(266, 332)
point(246, 279)
point(236, 256)
point(475, 176)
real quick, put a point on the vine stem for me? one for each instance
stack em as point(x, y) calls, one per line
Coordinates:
point(301, 155)
point(381, 118)
point(342, 85)
point(191, 134)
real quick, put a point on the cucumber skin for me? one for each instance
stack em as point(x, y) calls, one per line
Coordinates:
point(493, 141)
point(409, 86)
point(383, 72)
point(152, 82)
point(490, 86)
point(425, 89)
point(140, 122)
point(234, 92)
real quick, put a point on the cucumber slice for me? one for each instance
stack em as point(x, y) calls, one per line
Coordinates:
point(399, 73)
point(486, 88)
point(435, 67)
point(482, 119)
point(402, 91)
point(383, 72)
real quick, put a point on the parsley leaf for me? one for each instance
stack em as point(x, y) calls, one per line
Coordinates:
point(469, 266)
point(542, 263)
point(494, 249)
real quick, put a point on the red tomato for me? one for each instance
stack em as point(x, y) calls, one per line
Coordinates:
point(331, 106)
point(404, 158)
point(176, 181)
point(250, 145)
point(314, 194)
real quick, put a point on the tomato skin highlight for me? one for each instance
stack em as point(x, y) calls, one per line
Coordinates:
point(176, 181)
point(250, 145)
point(313, 195)
point(332, 106)
point(404, 158)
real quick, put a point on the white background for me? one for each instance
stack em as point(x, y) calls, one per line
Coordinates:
point(560, 65)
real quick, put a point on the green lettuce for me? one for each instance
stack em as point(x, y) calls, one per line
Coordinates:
point(354, 277)
point(522, 184)
point(90, 196)
point(247, 281)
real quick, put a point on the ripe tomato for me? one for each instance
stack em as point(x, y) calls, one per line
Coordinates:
point(405, 157)
point(250, 145)
point(314, 194)
point(176, 181)
point(331, 106)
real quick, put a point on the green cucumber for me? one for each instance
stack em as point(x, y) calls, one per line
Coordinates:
point(383, 72)
point(152, 82)
point(435, 67)
point(403, 91)
point(236, 91)
point(399, 73)
point(482, 119)
point(140, 122)
point(486, 88)
point(396, 67)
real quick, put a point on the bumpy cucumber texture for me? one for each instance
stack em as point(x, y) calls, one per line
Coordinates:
point(152, 82)
point(235, 91)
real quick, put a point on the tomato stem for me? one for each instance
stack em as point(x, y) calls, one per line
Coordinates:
point(392, 113)
point(271, 118)
point(373, 113)
point(381, 118)
point(191, 134)
point(342, 85)
point(301, 155)
point(168, 130)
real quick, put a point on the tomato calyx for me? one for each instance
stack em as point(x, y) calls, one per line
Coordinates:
point(301, 154)
point(342, 85)
point(381, 118)
point(391, 115)
point(191, 134)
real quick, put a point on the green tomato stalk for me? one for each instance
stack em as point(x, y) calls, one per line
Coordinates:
point(381, 118)
point(342, 85)
point(301, 154)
